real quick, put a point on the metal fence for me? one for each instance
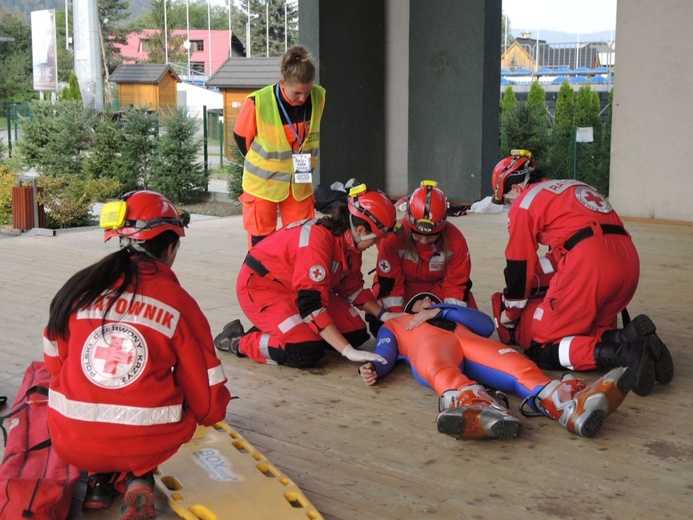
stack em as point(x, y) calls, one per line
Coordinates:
point(525, 61)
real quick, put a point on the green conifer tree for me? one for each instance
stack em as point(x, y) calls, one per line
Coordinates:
point(559, 164)
point(508, 106)
point(176, 173)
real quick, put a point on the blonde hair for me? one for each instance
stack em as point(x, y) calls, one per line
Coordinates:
point(297, 66)
point(441, 243)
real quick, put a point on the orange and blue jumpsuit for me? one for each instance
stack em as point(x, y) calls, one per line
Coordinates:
point(453, 351)
point(596, 276)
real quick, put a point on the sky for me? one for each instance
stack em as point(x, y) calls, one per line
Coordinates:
point(572, 16)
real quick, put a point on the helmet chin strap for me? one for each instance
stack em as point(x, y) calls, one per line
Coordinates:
point(510, 197)
point(358, 239)
point(136, 245)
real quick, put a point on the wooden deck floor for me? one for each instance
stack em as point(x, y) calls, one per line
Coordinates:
point(360, 452)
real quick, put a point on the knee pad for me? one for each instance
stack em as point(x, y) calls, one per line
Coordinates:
point(303, 355)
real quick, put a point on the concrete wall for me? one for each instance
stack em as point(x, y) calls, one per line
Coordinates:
point(397, 98)
point(412, 91)
point(653, 113)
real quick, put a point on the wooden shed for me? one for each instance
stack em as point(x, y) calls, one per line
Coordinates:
point(150, 85)
point(236, 78)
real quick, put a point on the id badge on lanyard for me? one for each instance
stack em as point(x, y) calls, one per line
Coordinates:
point(302, 171)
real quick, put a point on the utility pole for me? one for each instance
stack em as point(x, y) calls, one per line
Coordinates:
point(286, 28)
point(165, 32)
point(187, 42)
point(247, 34)
point(86, 28)
point(267, 28)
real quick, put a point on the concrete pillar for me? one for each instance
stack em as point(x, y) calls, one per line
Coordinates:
point(454, 78)
point(348, 40)
point(412, 91)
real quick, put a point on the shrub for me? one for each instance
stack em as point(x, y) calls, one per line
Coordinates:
point(8, 179)
point(68, 200)
point(57, 138)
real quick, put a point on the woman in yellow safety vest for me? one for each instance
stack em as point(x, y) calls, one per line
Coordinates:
point(278, 133)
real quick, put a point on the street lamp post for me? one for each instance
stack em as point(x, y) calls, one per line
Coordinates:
point(186, 43)
point(209, 36)
point(247, 34)
point(165, 33)
point(267, 29)
point(286, 28)
point(230, 33)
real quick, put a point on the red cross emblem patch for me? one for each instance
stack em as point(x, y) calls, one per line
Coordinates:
point(384, 266)
point(591, 199)
point(114, 356)
point(317, 273)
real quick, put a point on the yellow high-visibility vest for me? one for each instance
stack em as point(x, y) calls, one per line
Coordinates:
point(268, 168)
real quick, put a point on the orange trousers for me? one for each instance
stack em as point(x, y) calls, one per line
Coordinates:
point(260, 215)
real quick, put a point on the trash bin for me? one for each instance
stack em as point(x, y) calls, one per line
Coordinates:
point(25, 209)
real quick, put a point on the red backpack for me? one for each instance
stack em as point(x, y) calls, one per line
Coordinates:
point(34, 482)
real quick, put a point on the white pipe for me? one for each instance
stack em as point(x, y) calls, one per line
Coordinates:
point(165, 32)
point(209, 36)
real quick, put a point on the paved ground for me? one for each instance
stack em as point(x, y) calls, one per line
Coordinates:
point(373, 452)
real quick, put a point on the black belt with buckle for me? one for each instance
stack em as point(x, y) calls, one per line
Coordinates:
point(255, 265)
point(579, 236)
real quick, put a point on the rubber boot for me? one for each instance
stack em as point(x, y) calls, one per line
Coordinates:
point(635, 355)
point(581, 409)
point(643, 327)
point(471, 413)
point(639, 327)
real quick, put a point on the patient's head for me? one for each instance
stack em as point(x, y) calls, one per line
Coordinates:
point(420, 302)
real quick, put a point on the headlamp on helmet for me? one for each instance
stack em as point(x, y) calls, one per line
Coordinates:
point(515, 169)
point(140, 216)
point(427, 209)
point(374, 207)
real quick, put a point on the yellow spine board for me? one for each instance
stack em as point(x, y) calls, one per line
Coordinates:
point(220, 475)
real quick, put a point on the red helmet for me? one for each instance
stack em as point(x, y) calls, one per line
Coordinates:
point(140, 216)
point(374, 207)
point(427, 209)
point(511, 170)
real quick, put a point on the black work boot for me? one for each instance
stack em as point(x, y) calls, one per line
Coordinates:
point(634, 355)
point(229, 339)
point(639, 327)
point(663, 362)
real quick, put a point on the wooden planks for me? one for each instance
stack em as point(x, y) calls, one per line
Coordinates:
point(373, 452)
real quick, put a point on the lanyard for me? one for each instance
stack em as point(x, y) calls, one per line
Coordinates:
point(291, 124)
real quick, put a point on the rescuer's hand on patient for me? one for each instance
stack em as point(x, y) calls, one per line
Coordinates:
point(352, 354)
point(368, 373)
point(422, 317)
point(389, 315)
